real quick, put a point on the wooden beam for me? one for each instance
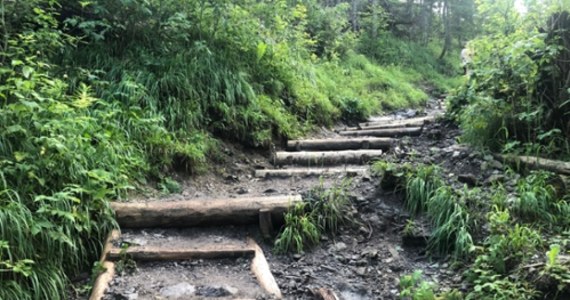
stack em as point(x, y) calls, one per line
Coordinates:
point(389, 132)
point(102, 282)
point(539, 163)
point(340, 144)
point(200, 212)
point(398, 123)
point(325, 158)
point(309, 172)
point(154, 253)
point(260, 268)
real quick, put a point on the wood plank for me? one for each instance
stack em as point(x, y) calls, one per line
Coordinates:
point(200, 212)
point(144, 253)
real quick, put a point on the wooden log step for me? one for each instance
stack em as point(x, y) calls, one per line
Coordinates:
point(325, 158)
point(340, 144)
point(377, 119)
point(200, 212)
point(102, 282)
point(309, 172)
point(398, 123)
point(260, 268)
point(389, 132)
point(167, 252)
point(539, 163)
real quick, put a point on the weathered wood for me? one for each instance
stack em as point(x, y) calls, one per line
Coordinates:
point(200, 212)
point(398, 123)
point(538, 163)
point(260, 268)
point(325, 294)
point(144, 253)
point(102, 282)
point(340, 144)
point(325, 158)
point(389, 132)
point(266, 223)
point(308, 172)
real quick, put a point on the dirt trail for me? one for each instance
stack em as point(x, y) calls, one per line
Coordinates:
point(361, 262)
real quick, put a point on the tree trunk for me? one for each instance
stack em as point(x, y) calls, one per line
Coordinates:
point(447, 30)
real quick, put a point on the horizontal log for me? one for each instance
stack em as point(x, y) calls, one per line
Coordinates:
point(325, 158)
point(398, 123)
point(142, 253)
point(340, 144)
point(538, 163)
point(309, 172)
point(389, 132)
point(381, 119)
point(200, 212)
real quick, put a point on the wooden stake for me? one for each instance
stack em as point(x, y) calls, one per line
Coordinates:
point(260, 268)
point(265, 223)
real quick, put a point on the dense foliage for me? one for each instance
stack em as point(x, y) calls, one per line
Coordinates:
point(516, 97)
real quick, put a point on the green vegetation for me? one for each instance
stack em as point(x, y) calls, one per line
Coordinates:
point(521, 228)
point(322, 212)
point(413, 287)
point(516, 96)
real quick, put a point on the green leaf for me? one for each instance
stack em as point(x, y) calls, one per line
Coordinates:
point(27, 71)
point(19, 156)
point(261, 49)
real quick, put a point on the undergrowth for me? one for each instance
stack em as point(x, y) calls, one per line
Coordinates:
point(322, 211)
point(510, 244)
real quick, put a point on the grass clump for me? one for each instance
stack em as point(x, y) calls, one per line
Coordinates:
point(322, 212)
point(421, 185)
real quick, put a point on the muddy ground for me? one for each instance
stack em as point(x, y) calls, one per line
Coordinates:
point(362, 261)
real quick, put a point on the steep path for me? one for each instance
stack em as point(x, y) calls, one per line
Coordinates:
point(204, 244)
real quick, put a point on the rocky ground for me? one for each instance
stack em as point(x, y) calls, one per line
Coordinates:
point(363, 261)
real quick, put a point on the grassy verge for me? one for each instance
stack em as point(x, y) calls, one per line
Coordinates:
point(496, 236)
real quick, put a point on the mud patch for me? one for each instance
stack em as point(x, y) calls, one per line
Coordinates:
point(197, 279)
